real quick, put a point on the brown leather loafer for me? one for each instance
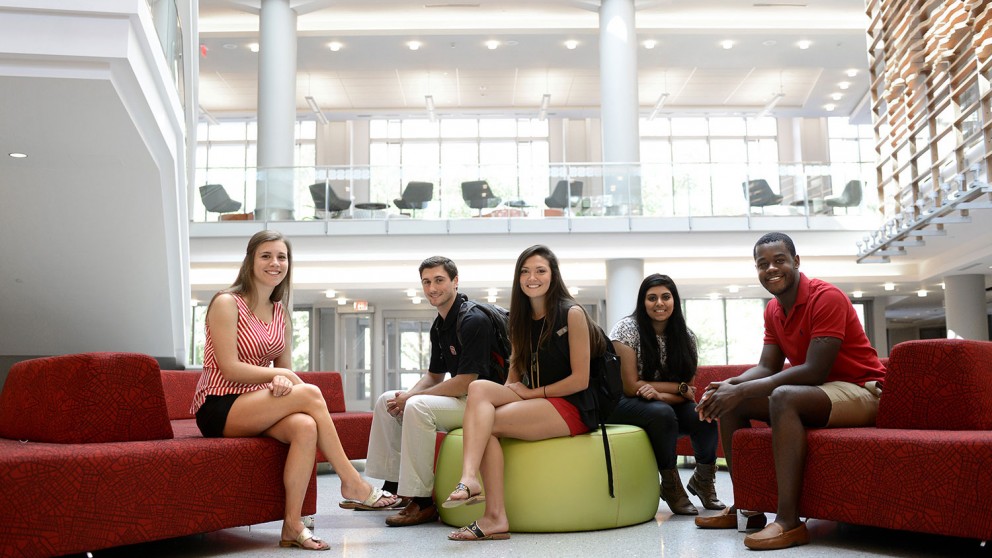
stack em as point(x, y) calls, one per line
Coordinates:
point(412, 514)
point(775, 537)
point(727, 519)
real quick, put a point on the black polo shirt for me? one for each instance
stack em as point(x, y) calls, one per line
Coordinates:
point(448, 355)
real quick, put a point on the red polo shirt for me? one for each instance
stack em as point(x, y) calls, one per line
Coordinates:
point(823, 310)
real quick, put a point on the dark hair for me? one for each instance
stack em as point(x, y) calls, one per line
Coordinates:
point(681, 358)
point(244, 285)
point(773, 237)
point(520, 311)
point(439, 261)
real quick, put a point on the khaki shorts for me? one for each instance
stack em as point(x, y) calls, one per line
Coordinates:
point(851, 404)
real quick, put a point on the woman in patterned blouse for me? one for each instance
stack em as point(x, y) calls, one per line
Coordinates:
point(240, 393)
point(658, 362)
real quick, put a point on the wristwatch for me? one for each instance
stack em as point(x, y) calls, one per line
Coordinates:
point(683, 389)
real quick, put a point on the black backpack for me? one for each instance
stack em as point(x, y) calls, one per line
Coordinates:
point(500, 346)
point(606, 386)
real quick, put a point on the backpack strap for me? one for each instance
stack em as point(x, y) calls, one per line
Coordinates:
point(606, 451)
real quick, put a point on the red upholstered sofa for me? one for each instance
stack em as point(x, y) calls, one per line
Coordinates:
point(704, 376)
point(353, 426)
point(924, 467)
point(89, 458)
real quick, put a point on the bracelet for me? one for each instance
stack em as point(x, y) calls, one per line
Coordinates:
point(545, 392)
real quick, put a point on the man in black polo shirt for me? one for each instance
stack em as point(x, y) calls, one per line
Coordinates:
point(405, 423)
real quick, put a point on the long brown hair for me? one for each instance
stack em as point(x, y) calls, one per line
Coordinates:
point(520, 311)
point(244, 285)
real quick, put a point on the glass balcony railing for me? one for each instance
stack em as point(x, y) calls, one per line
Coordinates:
point(566, 190)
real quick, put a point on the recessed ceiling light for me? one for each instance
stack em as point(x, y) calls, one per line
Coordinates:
point(890, 286)
point(804, 44)
point(253, 47)
point(650, 44)
point(230, 46)
point(844, 84)
point(836, 96)
point(342, 301)
point(922, 293)
point(492, 45)
point(733, 289)
point(571, 44)
point(574, 291)
point(727, 44)
point(414, 45)
point(334, 46)
point(411, 293)
point(330, 293)
point(416, 300)
point(829, 107)
point(852, 72)
point(857, 294)
point(17, 155)
point(770, 42)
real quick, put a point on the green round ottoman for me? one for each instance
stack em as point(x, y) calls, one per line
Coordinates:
point(560, 485)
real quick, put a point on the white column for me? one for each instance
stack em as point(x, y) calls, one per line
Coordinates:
point(880, 330)
point(623, 278)
point(619, 104)
point(276, 110)
point(965, 308)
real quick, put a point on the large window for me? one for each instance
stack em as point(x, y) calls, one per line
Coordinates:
point(227, 154)
point(696, 165)
point(852, 158)
point(728, 331)
point(510, 154)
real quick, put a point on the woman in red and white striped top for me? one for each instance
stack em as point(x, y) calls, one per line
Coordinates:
point(241, 393)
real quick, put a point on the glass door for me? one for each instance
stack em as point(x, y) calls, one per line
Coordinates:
point(408, 348)
point(356, 359)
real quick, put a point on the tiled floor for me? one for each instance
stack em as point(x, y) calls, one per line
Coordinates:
point(358, 534)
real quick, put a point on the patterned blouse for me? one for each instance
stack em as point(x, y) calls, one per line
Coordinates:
point(626, 332)
point(259, 344)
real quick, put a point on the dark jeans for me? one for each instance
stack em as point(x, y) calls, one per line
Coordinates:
point(664, 423)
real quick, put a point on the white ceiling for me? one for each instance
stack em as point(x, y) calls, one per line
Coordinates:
point(375, 73)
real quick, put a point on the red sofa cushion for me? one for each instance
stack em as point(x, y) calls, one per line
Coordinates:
point(179, 385)
point(85, 398)
point(938, 384)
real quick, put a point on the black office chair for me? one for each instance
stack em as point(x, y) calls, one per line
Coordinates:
point(415, 196)
point(566, 194)
point(325, 200)
point(760, 194)
point(850, 197)
point(478, 195)
point(215, 199)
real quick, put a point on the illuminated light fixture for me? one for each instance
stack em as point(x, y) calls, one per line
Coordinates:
point(727, 44)
point(829, 107)
point(334, 46)
point(657, 106)
point(316, 109)
point(18, 155)
point(852, 72)
point(194, 302)
point(545, 103)
point(767, 110)
point(253, 47)
point(943, 287)
point(733, 289)
point(571, 44)
point(491, 299)
point(857, 294)
point(574, 291)
point(492, 45)
point(416, 300)
point(889, 286)
point(922, 293)
point(650, 44)
point(492, 291)
point(411, 293)
point(804, 44)
point(429, 102)
point(844, 85)
point(714, 296)
point(836, 96)
point(330, 293)
point(414, 45)
point(210, 118)
point(342, 301)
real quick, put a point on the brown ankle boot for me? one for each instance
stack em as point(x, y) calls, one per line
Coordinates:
point(674, 495)
point(702, 485)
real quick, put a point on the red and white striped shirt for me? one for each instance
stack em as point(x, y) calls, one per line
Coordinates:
point(259, 344)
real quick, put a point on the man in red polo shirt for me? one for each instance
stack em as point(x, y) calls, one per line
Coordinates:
point(834, 381)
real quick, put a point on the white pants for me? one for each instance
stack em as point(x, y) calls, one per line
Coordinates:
point(402, 449)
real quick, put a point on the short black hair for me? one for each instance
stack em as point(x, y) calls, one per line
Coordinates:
point(773, 237)
point(439, 261)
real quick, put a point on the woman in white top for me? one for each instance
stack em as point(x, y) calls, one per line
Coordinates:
point(658, 362)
